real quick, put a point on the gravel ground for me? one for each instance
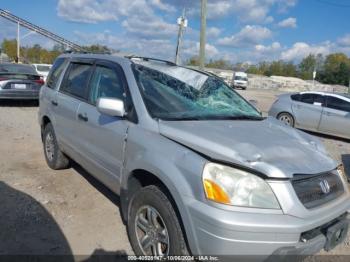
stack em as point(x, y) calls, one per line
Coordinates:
point(68, 212)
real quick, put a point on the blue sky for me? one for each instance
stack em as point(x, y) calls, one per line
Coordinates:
point(238, 30)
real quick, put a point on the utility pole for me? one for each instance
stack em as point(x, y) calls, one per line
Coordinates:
point(18, 44)
point(202, 36)
point(182, 22)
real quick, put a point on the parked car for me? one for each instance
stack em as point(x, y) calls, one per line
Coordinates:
point(197, 168)
point(42, 69)
point(240, 80)
point(321, 112)
point(19, 81)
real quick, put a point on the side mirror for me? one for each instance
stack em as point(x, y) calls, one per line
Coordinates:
point(111, 106)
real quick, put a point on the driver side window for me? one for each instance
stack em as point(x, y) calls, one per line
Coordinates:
point(105, 82)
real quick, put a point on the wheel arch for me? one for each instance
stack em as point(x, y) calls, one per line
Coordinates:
point(140, 178)
point(44, 121)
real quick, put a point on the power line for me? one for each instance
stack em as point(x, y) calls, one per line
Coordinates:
point(331, 3)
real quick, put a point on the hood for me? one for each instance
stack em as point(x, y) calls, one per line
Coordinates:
point(267, 146)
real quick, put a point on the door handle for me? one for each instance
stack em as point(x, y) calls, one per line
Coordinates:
point(54, 103)
point(327, 113)
point(83, 118)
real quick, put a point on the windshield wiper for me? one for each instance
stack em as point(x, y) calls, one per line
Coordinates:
point(242, 117)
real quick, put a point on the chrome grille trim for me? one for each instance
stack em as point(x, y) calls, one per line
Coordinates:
point(312, 192)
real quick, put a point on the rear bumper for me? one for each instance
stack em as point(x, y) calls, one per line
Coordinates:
point(19, 94)
point(230, 233)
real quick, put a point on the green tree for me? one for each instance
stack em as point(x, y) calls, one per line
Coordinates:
point(336, 69)
point(9, 47)
point(307, 66)
point(193, 61)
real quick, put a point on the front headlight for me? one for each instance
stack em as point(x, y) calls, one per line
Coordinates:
point(231, 186)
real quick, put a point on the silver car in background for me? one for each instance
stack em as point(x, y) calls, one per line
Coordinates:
point(322, 112)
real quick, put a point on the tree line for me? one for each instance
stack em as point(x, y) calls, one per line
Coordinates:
point(331, 69)
point(37, 54)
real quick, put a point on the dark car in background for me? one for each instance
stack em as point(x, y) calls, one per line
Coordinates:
point(19, 81)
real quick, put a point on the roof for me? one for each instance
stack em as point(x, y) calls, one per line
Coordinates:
point(338, 95)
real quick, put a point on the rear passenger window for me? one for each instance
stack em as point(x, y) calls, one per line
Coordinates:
point(312, 98)
point(307, 98)
point(75, 82)
point(56, 71)
point(106, 82)
point(338, 104)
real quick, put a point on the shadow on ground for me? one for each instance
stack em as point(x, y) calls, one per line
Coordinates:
point(97, 184)
point(18, 103)
point(27, 228)
point(327, 136)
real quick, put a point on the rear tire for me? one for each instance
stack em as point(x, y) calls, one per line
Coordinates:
point(55, 158)
point(286, 118)
point(153, 226)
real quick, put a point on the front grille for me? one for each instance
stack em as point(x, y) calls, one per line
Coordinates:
point(317, 190)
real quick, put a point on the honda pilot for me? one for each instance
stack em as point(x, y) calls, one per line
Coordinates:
point(198, 169)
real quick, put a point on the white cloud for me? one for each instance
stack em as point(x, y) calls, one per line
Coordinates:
point(153, 27)
point(249, 35)
point(213, 32)
point(162, 6)
point(191, 48)
point(300, 50)
point(267, 49)
point(284, 5)
point(247, 11)
point(344, 41)
point(288, 22)
point(160, 48)
point(86, 11)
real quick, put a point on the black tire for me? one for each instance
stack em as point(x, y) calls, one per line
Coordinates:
point(55, 158)
point(154, 198)
point(286, 118)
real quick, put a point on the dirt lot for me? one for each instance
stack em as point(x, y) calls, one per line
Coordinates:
point(68, 212)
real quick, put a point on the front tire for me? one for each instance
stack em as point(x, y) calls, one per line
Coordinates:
point(55, 158)
point(153, 226)
point(286, 118)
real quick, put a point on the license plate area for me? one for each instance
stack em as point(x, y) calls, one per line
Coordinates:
point(18, 86)
point(336, 234)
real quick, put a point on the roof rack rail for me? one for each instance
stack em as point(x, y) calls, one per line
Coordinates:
point(87, 52)
point(151, 59)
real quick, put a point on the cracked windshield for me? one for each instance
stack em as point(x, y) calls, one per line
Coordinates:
point(177, 93)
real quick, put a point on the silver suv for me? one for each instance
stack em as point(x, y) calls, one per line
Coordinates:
point(199, 171)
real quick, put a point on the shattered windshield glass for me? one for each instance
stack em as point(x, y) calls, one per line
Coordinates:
point(177, 93)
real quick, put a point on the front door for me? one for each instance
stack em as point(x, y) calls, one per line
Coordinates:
point(104, 136)
point(308, 110)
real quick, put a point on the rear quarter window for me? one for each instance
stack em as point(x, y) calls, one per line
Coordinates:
point(56, 71)
point(295, 97)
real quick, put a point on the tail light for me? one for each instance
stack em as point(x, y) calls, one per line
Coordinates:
point(3, 78)
point(40, 81)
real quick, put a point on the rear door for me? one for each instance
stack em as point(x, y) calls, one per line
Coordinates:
point(336, 117)
point(72, 92)
point(308, 110)
point(48, 92)
point(104, 136)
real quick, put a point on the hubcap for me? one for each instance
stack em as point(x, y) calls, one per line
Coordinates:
point(151, 232)
point(49, 146)
point(286, 119)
